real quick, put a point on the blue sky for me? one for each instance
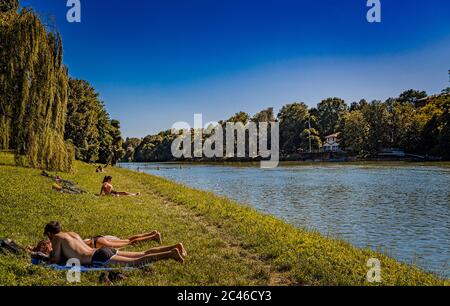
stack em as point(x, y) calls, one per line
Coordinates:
point(156, 62)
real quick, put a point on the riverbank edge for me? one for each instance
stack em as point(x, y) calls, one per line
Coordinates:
point(307, 256)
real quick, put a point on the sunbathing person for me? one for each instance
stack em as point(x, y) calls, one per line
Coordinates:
point(107, 241)
point(117, 243)
point(65, 245)
point(108, 189)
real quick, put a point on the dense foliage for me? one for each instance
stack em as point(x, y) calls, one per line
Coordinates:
point(45, 117)
point(413, 122)
point(95, 137)
point(33, 91)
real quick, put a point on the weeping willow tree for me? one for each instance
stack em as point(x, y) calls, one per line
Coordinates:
point(33, 91)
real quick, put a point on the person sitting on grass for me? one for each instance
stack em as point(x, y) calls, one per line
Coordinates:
point(108, 189)
point(65, 245)
point(117, 243)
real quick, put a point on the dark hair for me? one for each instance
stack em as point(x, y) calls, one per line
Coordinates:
point(107, 178)
point(53, 227)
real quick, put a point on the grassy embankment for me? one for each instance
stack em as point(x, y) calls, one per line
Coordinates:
point(228, 243)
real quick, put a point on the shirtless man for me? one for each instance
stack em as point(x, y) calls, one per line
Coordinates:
point(65, 245)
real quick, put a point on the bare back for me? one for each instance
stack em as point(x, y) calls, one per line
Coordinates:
point(70, 245)
point(107, 188)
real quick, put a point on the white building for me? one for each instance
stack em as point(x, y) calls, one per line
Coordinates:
point(332, 143)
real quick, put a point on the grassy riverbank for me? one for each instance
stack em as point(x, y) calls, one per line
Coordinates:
point(228, 243)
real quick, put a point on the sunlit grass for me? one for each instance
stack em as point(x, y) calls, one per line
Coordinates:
point(228, 244)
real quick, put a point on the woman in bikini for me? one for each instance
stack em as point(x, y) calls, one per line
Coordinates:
point(108, 189)
point(117, 243)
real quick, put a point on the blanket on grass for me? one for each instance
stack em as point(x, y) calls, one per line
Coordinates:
point(36, 261)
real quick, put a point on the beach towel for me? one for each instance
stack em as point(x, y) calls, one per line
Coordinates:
point(57, 267)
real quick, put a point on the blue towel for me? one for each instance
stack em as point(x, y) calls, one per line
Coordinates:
point(35, 261)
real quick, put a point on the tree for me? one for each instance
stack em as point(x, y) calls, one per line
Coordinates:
point(355, 132)
point(402, 125)
point(443, 145)
point(95, 137)
point(156, 148)
point(377, 116)
point(9, 5)
point(329, 114)
point(293, 121)
point(264, 116)
point(358, 105)
point(411, 96)
point(117, 151)
point(239, 117)
point(83, 111)
point(310, 136)
point(130, 146)
point(33, 88)
point(110, 139)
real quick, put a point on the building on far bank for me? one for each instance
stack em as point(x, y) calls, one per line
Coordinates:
point(331, 143)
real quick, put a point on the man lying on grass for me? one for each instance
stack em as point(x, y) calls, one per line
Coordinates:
point(66, 245)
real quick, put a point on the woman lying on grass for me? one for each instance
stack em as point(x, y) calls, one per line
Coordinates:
point(108, 189)
point(117, 243)
point(64, 245)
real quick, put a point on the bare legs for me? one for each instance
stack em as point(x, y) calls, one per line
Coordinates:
point(178, 246)
point(126, 194)
point(155, 250)
point(121, 243)
point(145, 237)
point(136, 260)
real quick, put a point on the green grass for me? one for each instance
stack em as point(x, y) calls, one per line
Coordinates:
point(228, 243)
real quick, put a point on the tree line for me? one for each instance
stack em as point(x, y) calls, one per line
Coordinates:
point(49, 119)
point(413, 121)
point(46, 117)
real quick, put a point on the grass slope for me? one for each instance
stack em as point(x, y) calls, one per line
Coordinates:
point(228, 243)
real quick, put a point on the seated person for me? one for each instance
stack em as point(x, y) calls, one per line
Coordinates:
point(108, 189)
point(65, 245)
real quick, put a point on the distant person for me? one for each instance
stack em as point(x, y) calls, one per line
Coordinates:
point(108, 189)
point(100, 170)
point(64, 245)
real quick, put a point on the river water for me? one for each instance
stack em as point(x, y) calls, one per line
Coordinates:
point(400, 209)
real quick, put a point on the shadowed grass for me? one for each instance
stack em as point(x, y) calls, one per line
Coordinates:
point(228, 243)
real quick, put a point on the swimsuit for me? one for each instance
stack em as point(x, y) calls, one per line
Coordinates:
point(103, 256)
point(94, 241)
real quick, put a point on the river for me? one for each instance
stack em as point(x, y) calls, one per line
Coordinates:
point(400, 209)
